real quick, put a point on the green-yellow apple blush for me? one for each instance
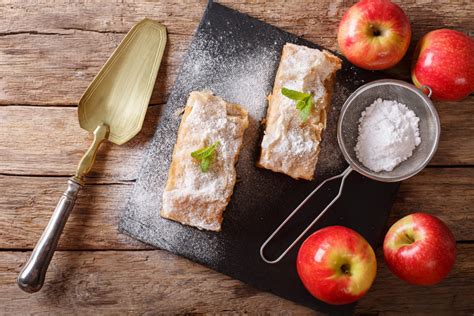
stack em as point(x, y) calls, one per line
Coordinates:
point(420, 249)
point(336, 265)
point(374, 34)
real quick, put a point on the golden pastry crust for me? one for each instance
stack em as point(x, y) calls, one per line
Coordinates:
point(291, 146)
point(191, 196)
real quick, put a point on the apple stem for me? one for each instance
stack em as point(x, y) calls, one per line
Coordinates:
point(345, 268)
point(410, 239)
point(375, 30)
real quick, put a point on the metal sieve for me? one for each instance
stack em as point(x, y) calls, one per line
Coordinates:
point(347, 132)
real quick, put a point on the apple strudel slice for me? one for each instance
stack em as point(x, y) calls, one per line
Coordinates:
point(296, 115)
point(202, 173)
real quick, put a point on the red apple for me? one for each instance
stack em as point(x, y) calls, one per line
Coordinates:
point(336, 265)
point(420, 249)
point(374, 34)
point(444, 61)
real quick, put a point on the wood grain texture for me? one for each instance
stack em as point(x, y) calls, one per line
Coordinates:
point(138, 282)
point(453, 296)
point(131, 282)
point(55, 49)
point(92, 224)
point(446, 193)
point(49, 141)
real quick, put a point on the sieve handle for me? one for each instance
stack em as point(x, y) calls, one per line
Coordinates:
point(343, 175)
point(423, 88)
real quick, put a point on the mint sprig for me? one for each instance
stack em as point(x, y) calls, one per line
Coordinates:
point(205, 156)
point(304, 102)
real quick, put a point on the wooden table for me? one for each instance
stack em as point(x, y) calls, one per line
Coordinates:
point(48, 55)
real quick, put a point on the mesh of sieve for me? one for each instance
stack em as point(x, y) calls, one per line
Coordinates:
point(401, 92)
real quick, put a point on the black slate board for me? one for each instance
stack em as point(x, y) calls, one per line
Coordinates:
point(262, 199)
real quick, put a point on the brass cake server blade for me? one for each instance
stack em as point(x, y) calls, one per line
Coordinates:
point(113, 107)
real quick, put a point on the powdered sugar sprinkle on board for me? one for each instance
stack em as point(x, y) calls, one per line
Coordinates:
point(240, 71)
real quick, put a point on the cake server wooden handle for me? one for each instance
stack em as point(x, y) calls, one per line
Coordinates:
point(31, 277)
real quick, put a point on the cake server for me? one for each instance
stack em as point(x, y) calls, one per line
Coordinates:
point(112, 108)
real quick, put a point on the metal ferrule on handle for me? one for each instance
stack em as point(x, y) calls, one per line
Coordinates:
point(343, 175)
point(31, 277)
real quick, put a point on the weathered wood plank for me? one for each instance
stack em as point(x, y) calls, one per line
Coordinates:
point(156, 281)
point(50, 52)
point(453, 296)
point(27, 202)
point(50, 142)
point(446, 193)
point(131, 282)
point(456, 146)
point(300, 17)
point(56, 69)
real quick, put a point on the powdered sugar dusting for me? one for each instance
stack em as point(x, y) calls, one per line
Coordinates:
point(239, 69)
point(388, 134)
point(194, 197)
point(245, 72)
point(244, 77)
point(290, 146)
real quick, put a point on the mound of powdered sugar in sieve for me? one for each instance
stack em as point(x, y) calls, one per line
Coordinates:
point(388, 134)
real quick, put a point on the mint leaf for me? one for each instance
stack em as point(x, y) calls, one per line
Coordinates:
point(205, 152)
point(306, 110)
point(304, 102)
point(205, 155)
point(294, 95)
point(205, 164)
point(301, 104)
